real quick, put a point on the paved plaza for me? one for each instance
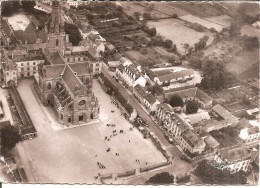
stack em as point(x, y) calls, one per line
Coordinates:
point(71, 155)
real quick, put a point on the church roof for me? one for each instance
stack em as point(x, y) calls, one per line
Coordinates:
point(53, 71)
point(80, 68)
point(72, 81)
point(57, 59)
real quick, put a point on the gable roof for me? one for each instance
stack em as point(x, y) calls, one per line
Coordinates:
point(57, 59)
point(221, 111)
point(150, 98)
point(235, 154)
point(80, 68)
point(173, 75)
point(72, 81)
point(212, 142)
point(190, 137)
point(53, 71)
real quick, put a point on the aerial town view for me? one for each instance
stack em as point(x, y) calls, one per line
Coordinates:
point(132, 93)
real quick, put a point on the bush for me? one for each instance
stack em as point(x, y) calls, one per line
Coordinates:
point(167, 43)
point(162, 178)
point(183, 179)
point(147, 16)
point(213, 30)
point(176, 101)
point(74, 34)
point(144, 51)
point(192, 107)
point(197, 27)
point(175, 16)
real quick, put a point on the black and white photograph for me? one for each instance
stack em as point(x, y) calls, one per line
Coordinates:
point(129, 92)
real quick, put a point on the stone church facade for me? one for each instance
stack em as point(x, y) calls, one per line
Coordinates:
point(67, 87)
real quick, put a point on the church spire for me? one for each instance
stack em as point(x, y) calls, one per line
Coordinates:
point(56, 24)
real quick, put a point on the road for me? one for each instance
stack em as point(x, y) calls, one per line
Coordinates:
point(152, 126)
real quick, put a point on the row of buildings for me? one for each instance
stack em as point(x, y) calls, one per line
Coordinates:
point(62, 73)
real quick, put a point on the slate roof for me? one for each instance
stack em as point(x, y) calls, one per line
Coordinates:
point(72, 81)
point(57, 59)
point(235, 154)
point(212, 142)
point(54, 71)
point(221, 111)
point(147, 96)
point(80, 68)
point(8, 64)
point(190, 137)
point(150, 98)
point(174, 75)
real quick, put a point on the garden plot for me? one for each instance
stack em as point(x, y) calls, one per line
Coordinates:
point(176, 31)
point(203, 22)
point(223, 20)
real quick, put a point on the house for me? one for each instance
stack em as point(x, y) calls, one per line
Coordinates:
point(132, 76)
point(96, 41)
point(211, 142)
point(248, 132)
point(191, 94)
point(27, 65)
point(179, 129)
point(220, 112)
point(233, 159)
point(169, 76)
point(9, 69)
point(191, 142)
point(110, 47)
point(147, 99)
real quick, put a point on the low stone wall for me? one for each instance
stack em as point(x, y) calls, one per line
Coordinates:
point(151, 167)
point(105, 176)
point(127, 173)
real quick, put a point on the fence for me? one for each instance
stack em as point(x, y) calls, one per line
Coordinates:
point(151, 167)
point(127, 173)
point(105, 176)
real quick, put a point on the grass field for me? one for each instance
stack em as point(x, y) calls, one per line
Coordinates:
point(236, 58)
point(173, 28)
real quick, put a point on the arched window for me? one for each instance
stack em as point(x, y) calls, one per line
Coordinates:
point(57, 42)
point(49, 85)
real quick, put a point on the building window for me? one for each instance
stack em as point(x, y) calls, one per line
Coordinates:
point(28, 74)
point(34, 68)
point(33, 63)
point(57, 42)
point(7, 73)
point(13, 73)
point(28, 69)
point(28, 64)
point(21, 64)
point(49, 85)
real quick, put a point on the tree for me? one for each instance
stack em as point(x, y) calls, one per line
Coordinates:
point(74, 34)
point(212, 175)
point(192, 107)
point(147, 16)
point(9, 7)
point(175, 16)
point(162, 178)
point(9, 138)
point(167, 43)
point(152, 32)
point(28, 5)
point(137, 14)
point(175, 101)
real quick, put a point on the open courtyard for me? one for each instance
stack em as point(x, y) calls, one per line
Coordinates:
point(71, 155)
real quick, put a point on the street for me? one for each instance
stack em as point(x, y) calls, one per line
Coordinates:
point(152, 126)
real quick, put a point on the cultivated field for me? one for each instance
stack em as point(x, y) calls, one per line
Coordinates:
point(71, 155)
point(250, 31)
point(237, 60)
point(173, 28)
point(223, 20)
point(203, 22)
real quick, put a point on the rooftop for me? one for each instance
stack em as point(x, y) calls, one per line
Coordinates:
point(222, 112)
point(212, 142)
point(190, 137)
point(173, 75)
point(235, 154)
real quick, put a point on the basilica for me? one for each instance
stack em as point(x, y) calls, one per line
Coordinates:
point(66, 86)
